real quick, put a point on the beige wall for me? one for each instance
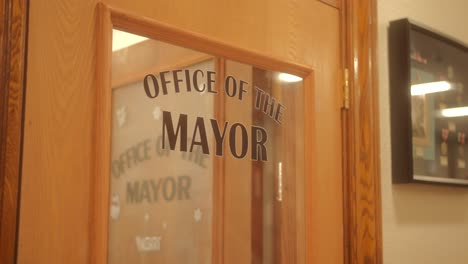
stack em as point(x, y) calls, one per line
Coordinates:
point(422, 224)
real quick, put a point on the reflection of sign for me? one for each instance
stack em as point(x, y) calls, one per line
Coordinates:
point(115, 207)
point(121, 116)
point(169, 189)
point(145, 244)
point(141, 152)
point(160, 189)
point(185, 80)
point(197, 215)
point(156, 113)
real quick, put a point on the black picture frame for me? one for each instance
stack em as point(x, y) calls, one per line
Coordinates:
point(413, 131)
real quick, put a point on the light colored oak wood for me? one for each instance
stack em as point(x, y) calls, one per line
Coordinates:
point(219, 168)
point(237, 185)
point(138, 76)
point(333, 3)
point(102, 140)
point(310, 152)
point(58, 141)
point(55, 212)
point(161, 31)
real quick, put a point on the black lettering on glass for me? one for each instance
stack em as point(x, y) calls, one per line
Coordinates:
point(168, 128)
point(219, 137)
point(230, 82)
point(279, 114)
point(244, 141)
point(164, 82)
point(195, 80)
point(152, 91)
point(258, 96)
point(211, 81)
point(200, 128)
point(187, 79)
point(259, 138)
point(268, 105)
point(241, 89)
point(176, 80)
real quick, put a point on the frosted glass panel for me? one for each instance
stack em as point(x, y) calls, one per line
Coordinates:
point(199, 143)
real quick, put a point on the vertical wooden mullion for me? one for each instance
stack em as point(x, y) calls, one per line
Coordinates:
point(219, 170)
point(102, 139)
point(289, 177)
point(257, 207)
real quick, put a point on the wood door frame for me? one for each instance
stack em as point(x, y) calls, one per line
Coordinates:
point(361, 142)
point(362, 216)
point(13, 47)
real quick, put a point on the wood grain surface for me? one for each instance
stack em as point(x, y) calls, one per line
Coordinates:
point(101, 129)
point(61, 106)
point(363, 232)
point(235, 214)
point(13, 32)
point(57, 168)
point(149, 28)
point(217, 255)
point(333, 3)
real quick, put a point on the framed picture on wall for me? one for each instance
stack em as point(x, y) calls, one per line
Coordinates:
point(429, 105)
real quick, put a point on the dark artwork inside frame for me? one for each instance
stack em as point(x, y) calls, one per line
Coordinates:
point(434, 76)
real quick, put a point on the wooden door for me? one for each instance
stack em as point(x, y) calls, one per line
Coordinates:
point(63, 218)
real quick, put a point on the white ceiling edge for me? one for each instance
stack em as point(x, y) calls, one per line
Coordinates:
point(122, 39)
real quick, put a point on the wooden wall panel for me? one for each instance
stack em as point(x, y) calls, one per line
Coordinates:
point(13, 31)
point(59, 112)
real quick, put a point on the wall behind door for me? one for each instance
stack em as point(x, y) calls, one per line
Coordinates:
point(55, 222)
point(421, 223)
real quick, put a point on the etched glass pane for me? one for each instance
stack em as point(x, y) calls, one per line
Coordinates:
point(161, 200)
point(207, 158)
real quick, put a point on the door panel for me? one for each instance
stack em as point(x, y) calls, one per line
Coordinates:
point(169, 219)
point(57, 171)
